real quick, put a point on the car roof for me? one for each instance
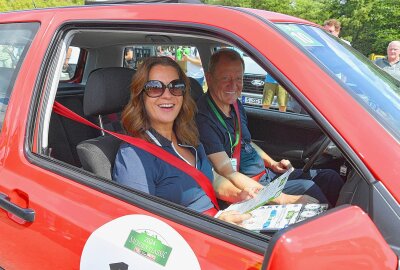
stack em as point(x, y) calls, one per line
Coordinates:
point(263, 14)
point(277, 17)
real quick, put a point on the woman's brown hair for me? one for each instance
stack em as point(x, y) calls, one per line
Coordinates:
point(134, 116)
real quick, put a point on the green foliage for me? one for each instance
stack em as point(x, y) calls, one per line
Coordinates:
point(306, 9)
point(371, 24)
point(368, 24)
point(8, 5)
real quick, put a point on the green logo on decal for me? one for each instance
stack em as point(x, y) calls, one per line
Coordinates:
point(148, 246)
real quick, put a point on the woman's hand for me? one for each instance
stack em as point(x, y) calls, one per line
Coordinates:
point(234, 217)
point(281, 166)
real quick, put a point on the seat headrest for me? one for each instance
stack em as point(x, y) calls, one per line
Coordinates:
point(107, 90)
point(196, 91)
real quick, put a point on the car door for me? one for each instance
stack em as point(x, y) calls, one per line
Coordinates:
point(58, 216)
point(346, 247)
point(55, 216)
point(283, 135)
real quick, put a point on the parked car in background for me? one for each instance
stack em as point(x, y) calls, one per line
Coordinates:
point(374, 57)
point(254, 85)
point(60, 207)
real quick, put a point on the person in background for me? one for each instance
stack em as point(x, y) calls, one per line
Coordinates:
point(129, 58)
point(161, 111)
point(224, 132)
point(194, 66)
point(333, 26)
point(271, 89)
point(66, 66)
point(391, 63)
point(179, 54)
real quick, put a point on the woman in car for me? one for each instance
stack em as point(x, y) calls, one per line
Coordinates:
point(166, 119)
point(161, 111)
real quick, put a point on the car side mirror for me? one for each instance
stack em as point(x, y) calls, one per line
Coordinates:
point(322, 242)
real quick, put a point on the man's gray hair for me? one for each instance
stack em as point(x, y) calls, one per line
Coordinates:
point(231, 54)
point(397, 42)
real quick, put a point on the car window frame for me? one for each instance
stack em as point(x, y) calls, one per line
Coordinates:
point(165, 209)
point(53, 63)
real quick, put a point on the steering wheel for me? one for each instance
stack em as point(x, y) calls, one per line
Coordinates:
point(314, 151)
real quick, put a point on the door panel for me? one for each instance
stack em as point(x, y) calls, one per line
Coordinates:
point(68, 213)
point(282, 135)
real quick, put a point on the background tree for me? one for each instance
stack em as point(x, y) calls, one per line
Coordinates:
point(368, 24)
point(8, 5)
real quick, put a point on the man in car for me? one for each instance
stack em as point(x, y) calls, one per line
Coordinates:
point(227, 141)
point(391, 63)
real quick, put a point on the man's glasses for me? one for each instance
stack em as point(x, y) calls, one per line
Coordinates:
point(157, 88)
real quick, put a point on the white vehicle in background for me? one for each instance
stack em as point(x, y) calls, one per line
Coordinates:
point(253, 87)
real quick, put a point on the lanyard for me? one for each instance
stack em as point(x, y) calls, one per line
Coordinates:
point(222, 121)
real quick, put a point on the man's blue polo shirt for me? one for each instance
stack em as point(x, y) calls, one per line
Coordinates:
point(214, 136)
point(141, 170)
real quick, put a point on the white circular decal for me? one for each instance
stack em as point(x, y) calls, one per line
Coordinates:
point(137, 242)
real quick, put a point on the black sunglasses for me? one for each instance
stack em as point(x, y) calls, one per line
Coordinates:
point(155, 88)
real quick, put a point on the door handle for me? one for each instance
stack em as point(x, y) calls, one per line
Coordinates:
point(26, 214)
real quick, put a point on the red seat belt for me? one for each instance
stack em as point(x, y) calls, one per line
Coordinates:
point(197, 175)
point(236, 151)
point(258, 176)
point(238, 147)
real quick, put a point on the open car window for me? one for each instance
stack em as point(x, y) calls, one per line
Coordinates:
point(277, 141)
point(131, 58)
point(260, 89)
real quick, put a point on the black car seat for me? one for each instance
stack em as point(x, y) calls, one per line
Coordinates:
point(196, 90)
point(106, 93)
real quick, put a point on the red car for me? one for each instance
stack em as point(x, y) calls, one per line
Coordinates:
point(61, 210)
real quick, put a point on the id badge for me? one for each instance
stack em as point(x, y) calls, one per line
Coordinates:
point(234, 163)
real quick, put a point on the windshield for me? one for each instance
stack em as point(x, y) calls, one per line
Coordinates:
point(373, 88)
